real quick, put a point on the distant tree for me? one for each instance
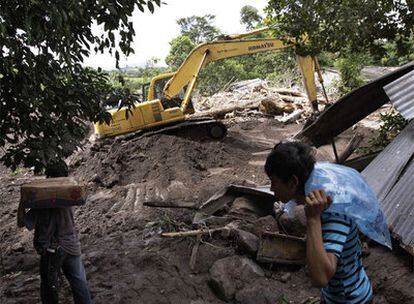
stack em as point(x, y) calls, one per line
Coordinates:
point(397, 52)
point(46, 95)
point(250, 17)
point(179, 50)
point(217, 74)
point(337, 25)
point(198, 28)
point(350, 66)
point(348, 28)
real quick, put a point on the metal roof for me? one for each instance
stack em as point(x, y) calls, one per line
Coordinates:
point(401, 94)
point(351, 108)
point(391, 176)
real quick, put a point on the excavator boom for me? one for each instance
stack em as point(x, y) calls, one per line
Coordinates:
point(218, 50)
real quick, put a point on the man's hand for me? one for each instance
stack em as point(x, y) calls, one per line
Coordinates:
point(316, 203)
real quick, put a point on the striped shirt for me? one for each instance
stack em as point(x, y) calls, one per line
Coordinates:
point(350, 283)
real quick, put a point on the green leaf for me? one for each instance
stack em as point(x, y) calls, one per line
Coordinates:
point(140, 7)
point(150, 7)
point(111, 36)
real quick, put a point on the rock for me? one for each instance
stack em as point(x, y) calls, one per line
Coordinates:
point(285, 277)
point(96, 178)
point(266, 223)
point(111, 181)
point(247, 242)
point(18, 247)
point(232, 273)
point(294, 225)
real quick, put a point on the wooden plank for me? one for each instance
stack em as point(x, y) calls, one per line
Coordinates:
point(170, 204)
point(194, 252)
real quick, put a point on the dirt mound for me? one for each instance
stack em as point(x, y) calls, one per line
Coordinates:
point(169, 166)
point(125, 257)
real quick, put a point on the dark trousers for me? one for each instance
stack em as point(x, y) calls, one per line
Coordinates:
point(72, 266)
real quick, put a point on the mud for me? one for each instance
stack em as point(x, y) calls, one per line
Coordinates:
point(127, 261)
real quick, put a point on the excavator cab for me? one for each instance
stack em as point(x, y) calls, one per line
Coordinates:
point(155, 89)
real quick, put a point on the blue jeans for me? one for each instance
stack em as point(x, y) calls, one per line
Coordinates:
point(72, 266)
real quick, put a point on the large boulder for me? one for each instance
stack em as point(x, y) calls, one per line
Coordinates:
point(247, 242)
point(231, 274)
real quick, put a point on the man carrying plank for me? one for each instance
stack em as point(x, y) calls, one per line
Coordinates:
point(56, 241)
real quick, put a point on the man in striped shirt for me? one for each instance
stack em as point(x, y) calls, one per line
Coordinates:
point(333, 250)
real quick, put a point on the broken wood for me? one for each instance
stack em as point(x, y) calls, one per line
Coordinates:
point(228, 227)
point(281, 249)
point(169, 204)
point(284, 91)
point(223, 111)
point(291, 117)
point(293, 99)
point(194, 252)
point(350, 148)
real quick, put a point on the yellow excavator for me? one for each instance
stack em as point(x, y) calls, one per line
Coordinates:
point(168, 104)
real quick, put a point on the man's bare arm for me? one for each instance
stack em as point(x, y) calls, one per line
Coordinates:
point(321, 264)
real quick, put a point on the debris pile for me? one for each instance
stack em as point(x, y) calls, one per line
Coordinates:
point(256, 97)
point(244, 218)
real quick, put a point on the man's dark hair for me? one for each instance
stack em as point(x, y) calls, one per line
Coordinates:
point(56, 168)
point(288, 159)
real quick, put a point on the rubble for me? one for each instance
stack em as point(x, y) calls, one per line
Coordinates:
point(256, 95)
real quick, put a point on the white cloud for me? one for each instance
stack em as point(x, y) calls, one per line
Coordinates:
point(154, 32)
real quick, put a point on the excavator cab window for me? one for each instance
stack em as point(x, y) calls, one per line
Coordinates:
point(159, 87)
point(145, 88)
point(158, 91)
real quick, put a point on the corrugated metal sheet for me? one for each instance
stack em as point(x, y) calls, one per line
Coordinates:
point(391, 176)
point(401, 94)
point(351, 108)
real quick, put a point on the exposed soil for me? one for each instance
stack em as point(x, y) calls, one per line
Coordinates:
point(126, 259)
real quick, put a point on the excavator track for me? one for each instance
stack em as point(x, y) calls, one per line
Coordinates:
point(202, 128)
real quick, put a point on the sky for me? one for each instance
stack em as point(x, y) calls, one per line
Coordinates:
point(155, 31)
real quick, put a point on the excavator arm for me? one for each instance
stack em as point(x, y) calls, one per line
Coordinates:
point(205, 53)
